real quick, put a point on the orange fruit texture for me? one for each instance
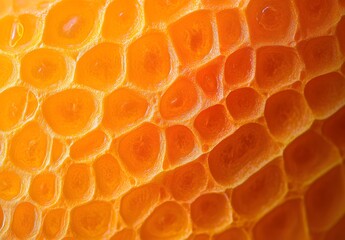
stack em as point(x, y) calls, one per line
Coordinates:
point(172, 119)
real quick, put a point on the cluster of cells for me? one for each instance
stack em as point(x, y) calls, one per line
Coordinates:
point(172, 119)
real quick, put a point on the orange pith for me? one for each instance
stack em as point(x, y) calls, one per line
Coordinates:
point(172, 119)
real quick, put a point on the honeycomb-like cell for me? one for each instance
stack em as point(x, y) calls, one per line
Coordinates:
point(125, 234)
point(168, 221)
point(43, 188)
point(337, 231)
point(287, 114)
point(54, 222)
point(77, 181)
point(148, 61)
point(91, 220)
point(333, 128)
point(211, 211)
point(24, 220)
point(163, 10)
point(234, 158)
point(324, 200)
point(100, 67)
point(43, 67)
point(7, 68)
point(28, 148)
point(192, 36)
point(231, 233)
point(69, 112)
point(10, 185)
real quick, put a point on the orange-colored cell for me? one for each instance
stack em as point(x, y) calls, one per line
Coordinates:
point(43, 188)
point(230, 28)
point(337, 231)
point(158, 10)
point(231, 233)
point(209, 76)
point(124, 234)
point(123, 108)
point(70, 111)
point(121, 20)
point(192, 36)
point(91, 220)
point(109, 177)
point(57, 150)
point(341, 33)
point(212, 122)
point(259, 192)
point(140, 149)
point(28, 147)
point(199, 237)
point(89, 144)
point(24, 219)
point(324, 200)
point(245, 104)
point(239, 67)
point(70, 23)
point(325, 94)
point(179, 99)
point(18, 32)
point(17, 103)
point(6, 69)
point(53, 223)
point(277, 66)
point(168, 221)
point(287, 114)
point(187, 181)
point(271, 21)
point(284, 222)
point(77, 181)
point(43, 68)
point(334, 130)
point(211, 211)
point(10, 185)
point(138, 202)
point(148, 61)
point(239, 155)
point(100, 67)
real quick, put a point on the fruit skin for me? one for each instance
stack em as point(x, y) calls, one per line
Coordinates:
point(172, 119)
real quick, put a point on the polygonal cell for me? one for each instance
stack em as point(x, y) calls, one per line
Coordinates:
point(287, 114)
point(241, 154)
point(208, 77)
point(16, 103)
point(100, 66)
point(139, 150)
point(53, 223)
point(259, 192)
point(69, 23)
point(163, 10)
point(179, 100)
point(138, 202)
point(124, 234)
point(230, 29)
point(109, 177)
point(244, 104)
point(325, 94)
point(77, 181)
point(315, 16)
point(70, 111)
point(239, 67)
point(89, 144)
point(121, 19)
point(17, 32)
point(210, 211)
point(148, 61)
point(24, 220)
point(324, 200)
point(57, 150)
point(192, 36)
point(212, 122)
point(277, 66)
point(123, 108)
point(6, 69)
point(91, 220)
point(188, 181)
point(231, 233)
point(285, 222)
point(43, 188)
point(333, 128)
point(28, 147)
point(271, 21)
point(308, 156)
point(341, 34)
point(167, 221)
point(337, 231)
point(320, 54)
point(43, 67)
point(180, 142)
point(10, 185)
